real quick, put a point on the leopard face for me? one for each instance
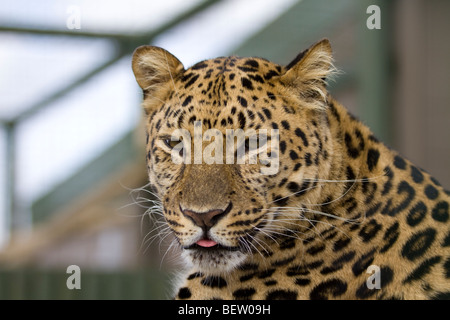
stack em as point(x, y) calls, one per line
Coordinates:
point(221, 212)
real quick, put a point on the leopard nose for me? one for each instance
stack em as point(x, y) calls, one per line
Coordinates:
point(207, 219)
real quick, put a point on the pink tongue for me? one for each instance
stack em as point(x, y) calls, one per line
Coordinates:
point(206, 243)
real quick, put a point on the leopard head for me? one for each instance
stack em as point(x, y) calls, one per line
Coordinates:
point(231, 143)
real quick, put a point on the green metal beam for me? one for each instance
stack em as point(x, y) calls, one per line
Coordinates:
point(65, 33)
point(295, 30)
point(375, 70)
point(126, 45)
point(46, 101)
point(10, 181)
point(115, 36)
point(89, 176)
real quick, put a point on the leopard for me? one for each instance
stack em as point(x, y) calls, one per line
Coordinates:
point(342, 216)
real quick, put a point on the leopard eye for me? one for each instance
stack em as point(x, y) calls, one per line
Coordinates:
point(171, 143)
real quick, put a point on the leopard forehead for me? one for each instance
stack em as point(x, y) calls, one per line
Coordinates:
point(248, 69)
point(228, 88)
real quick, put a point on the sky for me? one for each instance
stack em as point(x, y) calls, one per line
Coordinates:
point(54, 143)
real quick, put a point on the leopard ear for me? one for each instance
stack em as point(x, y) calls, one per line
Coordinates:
point(154, 67)
point(308, 72)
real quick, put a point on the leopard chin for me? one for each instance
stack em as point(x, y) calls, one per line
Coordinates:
point(213, 261)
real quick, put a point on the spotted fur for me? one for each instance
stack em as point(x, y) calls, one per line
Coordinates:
point(340, 202)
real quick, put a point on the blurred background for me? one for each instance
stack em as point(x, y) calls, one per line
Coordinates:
point(71, 139)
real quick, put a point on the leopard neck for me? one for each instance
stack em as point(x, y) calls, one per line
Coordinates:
point(354, 161)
